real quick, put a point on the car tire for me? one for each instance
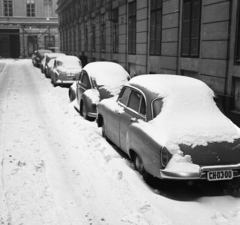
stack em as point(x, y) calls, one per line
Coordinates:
point(103, 130)
point(84, 112)
point(138, 165)
point(71, 95)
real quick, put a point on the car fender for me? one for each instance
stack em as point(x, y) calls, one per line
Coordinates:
point(141, 143)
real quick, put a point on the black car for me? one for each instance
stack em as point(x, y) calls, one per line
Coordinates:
point(38, 55)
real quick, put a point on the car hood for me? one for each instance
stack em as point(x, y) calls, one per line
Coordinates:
point(223, 153)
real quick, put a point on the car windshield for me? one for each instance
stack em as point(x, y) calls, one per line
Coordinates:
point(71, 64)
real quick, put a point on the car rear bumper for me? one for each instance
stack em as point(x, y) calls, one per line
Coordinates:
point(93, 115)
point(65, 81)
point(201, 174)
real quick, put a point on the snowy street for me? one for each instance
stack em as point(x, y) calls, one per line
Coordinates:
point(55, 167)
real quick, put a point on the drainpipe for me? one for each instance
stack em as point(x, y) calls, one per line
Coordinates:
point(148, 37)
point(127, 38)
point(230, 54)
point(179, 36)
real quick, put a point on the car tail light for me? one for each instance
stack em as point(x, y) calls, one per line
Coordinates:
point(164, 155)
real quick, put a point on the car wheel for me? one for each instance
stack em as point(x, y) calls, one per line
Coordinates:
point(138, 164)
point(54, 82)
point(103, 130)
point(71, 95)
point(84, 112)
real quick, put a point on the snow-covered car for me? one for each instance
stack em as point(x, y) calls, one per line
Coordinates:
point(66, 69)
point(97, 81)
point(38, 55)
point(50, 56)
point(171, 127)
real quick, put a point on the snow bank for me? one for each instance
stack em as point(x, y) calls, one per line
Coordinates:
point(111, 75)
point(189, 114)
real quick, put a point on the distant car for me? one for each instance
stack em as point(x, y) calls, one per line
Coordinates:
point(38, 56)
point(43, 62)
point(50, 56)
point(171, 127)
point(97, 81)
point(66, 69)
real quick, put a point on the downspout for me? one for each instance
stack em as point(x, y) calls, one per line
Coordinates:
point(127, 38)
point(148, 37)
point(229, 59)
point(179, 36)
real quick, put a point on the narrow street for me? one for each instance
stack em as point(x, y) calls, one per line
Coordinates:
point(57, 169)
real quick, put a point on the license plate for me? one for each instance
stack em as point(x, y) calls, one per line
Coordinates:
point(220, 175)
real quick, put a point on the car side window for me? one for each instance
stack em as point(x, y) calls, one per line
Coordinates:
point(79, 78)
point(85, 81)
point(157, 106)
point(125, 96)
point(143, 107)
point(134, 101)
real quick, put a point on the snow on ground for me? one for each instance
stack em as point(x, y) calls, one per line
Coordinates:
point(57, 169)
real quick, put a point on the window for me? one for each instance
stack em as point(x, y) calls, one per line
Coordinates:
point(157, 107)
point(132, 28)
point(48, 8)
point(8, 9)
point(238, 36)
point(125, 95)
point(134, 101)
point(103, 33)
point(49, 42)
point(30, 8)
point(115, 30)
point(85, 81)
point(191, 28)
point(93, 38)
point(155, 27)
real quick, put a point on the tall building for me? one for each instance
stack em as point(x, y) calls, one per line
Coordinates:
point(27, 25)
point(196, 38)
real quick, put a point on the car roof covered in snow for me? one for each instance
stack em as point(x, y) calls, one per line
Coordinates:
point(108, 74)
point(189, 114)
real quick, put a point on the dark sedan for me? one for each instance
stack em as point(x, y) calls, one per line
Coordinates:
point(171, 128)
point(38, 56)
point(66, 69)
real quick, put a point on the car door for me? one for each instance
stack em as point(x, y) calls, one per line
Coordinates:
point(135, 109)
point(113, 116)
point(82, 85)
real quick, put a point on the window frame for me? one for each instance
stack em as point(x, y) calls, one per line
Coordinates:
point(189, 38)
point(132, 24)
point(8, 8)
point(155, 28)
point(30, 8)
point(237, 44)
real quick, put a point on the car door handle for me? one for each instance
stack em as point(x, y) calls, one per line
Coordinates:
point(134, 120)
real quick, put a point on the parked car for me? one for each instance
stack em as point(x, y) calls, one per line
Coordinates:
point(66, 69)
point(171, 127)
point(50, 56)
point(43, 62)
point(97, 81)
point(38, 56)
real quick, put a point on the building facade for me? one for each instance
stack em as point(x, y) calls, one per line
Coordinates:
point(196, 38)
point(27, 25)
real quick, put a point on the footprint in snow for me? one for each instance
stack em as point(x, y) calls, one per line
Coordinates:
point(220, 218)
